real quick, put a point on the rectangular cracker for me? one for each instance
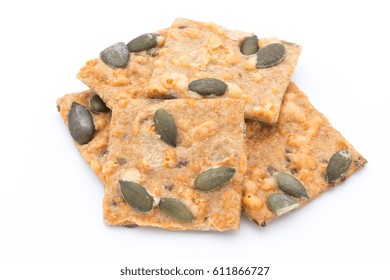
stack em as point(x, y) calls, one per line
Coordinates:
point(301, 144)
point(209, 134)
point(195, 50)
point(114, 85)
point(95, 151)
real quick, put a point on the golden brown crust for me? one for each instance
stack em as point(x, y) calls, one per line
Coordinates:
point(210, 134)
point(94, 152)
point(300, 144)
point(195, 50)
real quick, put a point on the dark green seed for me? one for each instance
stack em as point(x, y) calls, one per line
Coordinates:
point(208, 86)
point(97, 105)
point(175, 209)
point(281, 203)
point(136, 196)
point(165, 126)
point(338, 165)
point(80, 124)
point(214, 178)
point(250, 45)
point(143, 42)
point(270, 55)
point(116, 56)
point(290, 185)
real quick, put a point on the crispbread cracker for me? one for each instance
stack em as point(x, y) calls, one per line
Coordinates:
point(195, 50)
point(209, 134)
point(301, 144)
point(114, 85)
point(94, 152)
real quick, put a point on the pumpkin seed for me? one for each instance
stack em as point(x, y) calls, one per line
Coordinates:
point(281, 203)
point(116, 56)
point(143, 42)
point(250, 45)
point(165, 126)
point(290, 185)
point(338, 165)
point(80, 124)
point(214, 178)
point(270, 55)
point(176, 209)
point(208, 86)
point(97, 105)
point(136, 196)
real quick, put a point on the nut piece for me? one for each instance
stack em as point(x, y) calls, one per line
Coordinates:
point(281, 203)
point(338, 165)
point(250, 45)
point(175, 209)
point(80, 124)
point(208, 86)
point(165, 126)
point(116, 56)
point(214, 178)
point(136, 196)
point(290, 185)
point(270, 55)
point(143, 42)
point(97, 105)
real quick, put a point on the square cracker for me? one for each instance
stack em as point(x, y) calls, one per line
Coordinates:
point(210, 133)
point(301, 144)
point(195, 50)
point(95, 151)
point(114, 85)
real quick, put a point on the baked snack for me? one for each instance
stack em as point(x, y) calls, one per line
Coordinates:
point(194, 51)
point(114, 83)
point(294, 161)
point(176, 164)
point(94, 152)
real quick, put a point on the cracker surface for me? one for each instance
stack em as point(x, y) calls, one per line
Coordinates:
point(301, 145)
point(210, 134)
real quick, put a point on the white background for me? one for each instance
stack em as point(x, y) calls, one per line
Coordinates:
point(51, 222)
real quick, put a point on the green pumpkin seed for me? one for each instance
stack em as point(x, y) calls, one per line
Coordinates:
point(214, 178)
point(270, 55)
point(136, 196)
point(97, 105)
point(80, 124)
point(208, 86)
point(290, 185)
point(338, 165)
point(175, 209)
point(116, 56)
point(143, 42)
point(250, 45)
point(165, 126)
point(281, 203)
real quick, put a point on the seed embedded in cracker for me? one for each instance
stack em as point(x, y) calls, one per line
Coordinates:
point(116, 77)
point(203, 51)
point(95, 151)
point(209, 138)
point(303, 141)
point(80, 124)
point(180, 164)
point(143, 42)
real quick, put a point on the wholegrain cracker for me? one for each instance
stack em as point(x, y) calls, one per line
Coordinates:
point(300, 144)
point(209, 135)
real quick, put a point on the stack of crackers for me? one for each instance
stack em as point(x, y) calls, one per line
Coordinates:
point(188, 126)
